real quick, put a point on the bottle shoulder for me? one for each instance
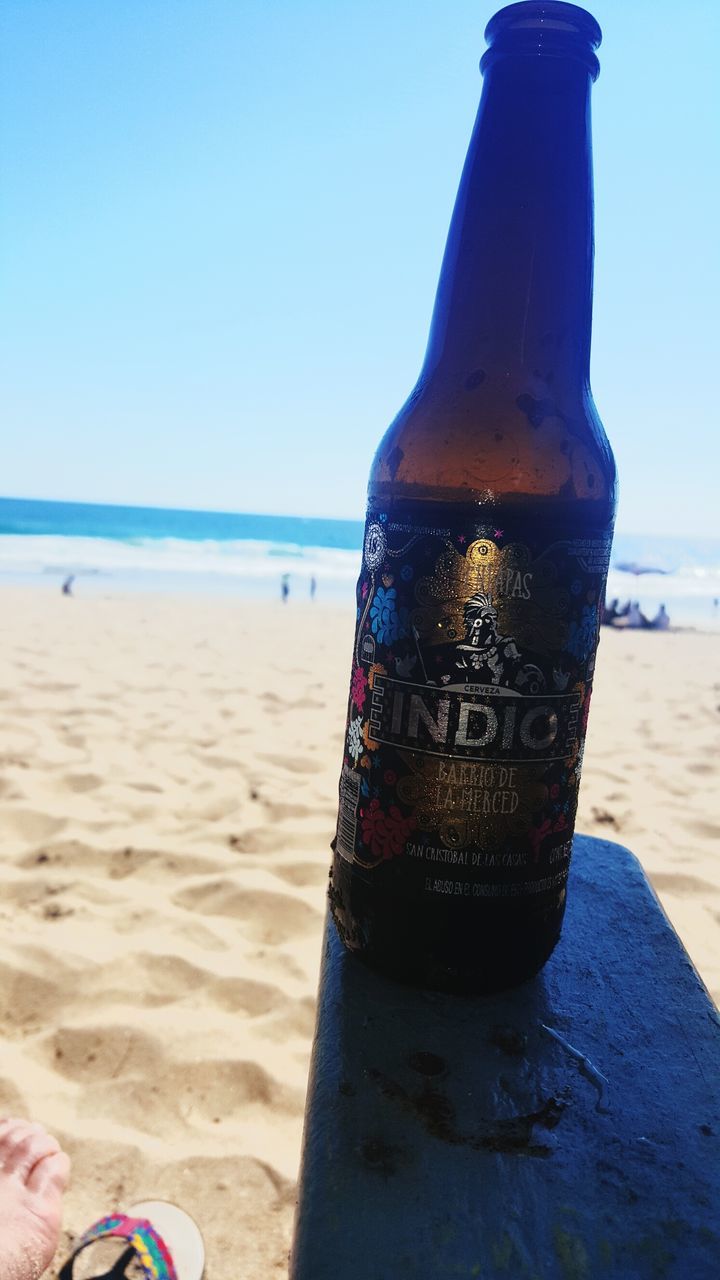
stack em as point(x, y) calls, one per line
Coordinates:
point(478, 443)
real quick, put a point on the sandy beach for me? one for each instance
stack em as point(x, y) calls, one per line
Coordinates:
point(169, 773)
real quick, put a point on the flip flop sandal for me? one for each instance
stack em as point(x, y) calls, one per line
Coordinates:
point(160, 1236)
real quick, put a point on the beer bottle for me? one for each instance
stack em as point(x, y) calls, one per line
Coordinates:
point(490, 511)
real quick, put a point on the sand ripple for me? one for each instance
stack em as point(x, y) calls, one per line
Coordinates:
point(162, 884)
point(168, 777)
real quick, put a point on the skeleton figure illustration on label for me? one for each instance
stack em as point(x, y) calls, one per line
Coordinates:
point(470, 689)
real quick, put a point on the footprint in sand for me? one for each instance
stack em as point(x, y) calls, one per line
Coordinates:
point(154, 1111)
point(28, 825)
point(228, 1087)
point(41, 898)
point(219, 810)
point(264, 1191)
point(154, 980)
point(101, 1053)
point(158, 866)
point(265, 1002)
point(199, 935)
point(79, 782)
point(279, 812)
point(267, 918)
point(218, 762)
point(14, 762)
point(116, 864)
point(49, 686)
point(159, 980)
point(303, 874)
point(293, 764)
point(69, 854)
point(703, 828)
point(201, 1092)
point(294, 1018)
point(27, 998)
point(246, 995)
point(264, 840)
point(196, 1092)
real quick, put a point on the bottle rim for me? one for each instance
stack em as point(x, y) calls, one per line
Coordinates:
point(543, 28)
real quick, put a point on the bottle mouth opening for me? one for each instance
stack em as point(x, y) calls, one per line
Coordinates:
point(543, 28)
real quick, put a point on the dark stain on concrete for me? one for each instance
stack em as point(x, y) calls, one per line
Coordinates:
point(510, 1040)
point(380, 1155)
point(513, 1135)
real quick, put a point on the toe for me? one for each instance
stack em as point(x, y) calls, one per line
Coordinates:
point(12, 1130)
point(50, 1176)
point(23, 1146)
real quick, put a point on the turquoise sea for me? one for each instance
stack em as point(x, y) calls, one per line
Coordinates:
point(112, 548)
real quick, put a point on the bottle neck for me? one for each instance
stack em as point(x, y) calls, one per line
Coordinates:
point(515, 294)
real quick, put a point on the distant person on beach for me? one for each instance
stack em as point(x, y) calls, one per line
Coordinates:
point(635, 617)
point(285, 587)
point(313, 587)
point(34, 1174)
point(661, 621)
point(67, 585)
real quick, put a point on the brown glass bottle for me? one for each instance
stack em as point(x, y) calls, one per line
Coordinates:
point(491, 503)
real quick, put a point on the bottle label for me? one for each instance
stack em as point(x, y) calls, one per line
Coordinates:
point(471, 681)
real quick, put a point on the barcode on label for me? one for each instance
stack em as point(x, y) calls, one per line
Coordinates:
point(347, 816)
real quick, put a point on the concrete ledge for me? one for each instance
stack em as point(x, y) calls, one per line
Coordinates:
point(568, 1129)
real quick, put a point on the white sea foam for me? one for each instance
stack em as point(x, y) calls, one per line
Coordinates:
point(256, 567)
point(33, 554)
point(688, 581)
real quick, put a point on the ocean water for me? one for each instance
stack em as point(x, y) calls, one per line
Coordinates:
point(113, 548)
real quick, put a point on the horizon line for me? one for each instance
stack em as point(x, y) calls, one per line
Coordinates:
point(289, 515)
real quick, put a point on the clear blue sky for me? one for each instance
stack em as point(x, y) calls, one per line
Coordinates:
point(222, 222)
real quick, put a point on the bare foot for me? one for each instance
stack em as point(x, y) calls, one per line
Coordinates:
point(34, 1173)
